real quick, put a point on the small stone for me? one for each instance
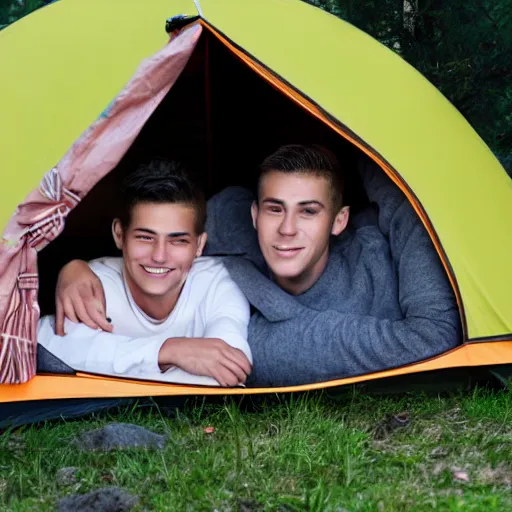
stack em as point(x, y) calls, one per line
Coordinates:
point(391, 423)
point(119, 436)
point(400, 420)
point(110, 499)
point(461, 476)
point(66, 476)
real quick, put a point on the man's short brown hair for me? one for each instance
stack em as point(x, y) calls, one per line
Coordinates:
point(311, 159)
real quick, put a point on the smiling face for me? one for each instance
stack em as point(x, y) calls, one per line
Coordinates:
point(159, 246)
point(294, 218)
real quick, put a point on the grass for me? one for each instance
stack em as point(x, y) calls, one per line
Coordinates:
point(306, 452)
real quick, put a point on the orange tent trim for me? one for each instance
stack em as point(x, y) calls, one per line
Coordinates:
point(85, 385)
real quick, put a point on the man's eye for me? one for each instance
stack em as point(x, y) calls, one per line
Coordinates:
point(143, 237)
point(274, 209)
point(309, 211)
point(180, 241)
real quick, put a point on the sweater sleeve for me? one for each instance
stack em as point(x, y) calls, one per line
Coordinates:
point(228, 314)
point(328, 345)
point(314, 346)
point(97, 351)
point(229, 226)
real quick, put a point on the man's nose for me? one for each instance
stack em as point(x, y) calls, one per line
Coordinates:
point(288, 225)
point(159, 251)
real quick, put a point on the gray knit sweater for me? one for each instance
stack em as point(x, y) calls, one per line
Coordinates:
point(383, 301)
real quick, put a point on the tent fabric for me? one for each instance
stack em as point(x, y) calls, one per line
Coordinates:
point(428, 147)
point(335, 72)
point(403, 121)
point(40, 218)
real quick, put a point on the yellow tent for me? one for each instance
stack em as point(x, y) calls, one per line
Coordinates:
point(263, 72)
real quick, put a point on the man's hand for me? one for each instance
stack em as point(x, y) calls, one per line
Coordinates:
point(212, 357)
point(79, 296)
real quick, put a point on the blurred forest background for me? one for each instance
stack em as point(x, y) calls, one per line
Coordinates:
point(464, 47)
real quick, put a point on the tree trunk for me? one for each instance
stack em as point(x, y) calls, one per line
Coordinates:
point(410, 8)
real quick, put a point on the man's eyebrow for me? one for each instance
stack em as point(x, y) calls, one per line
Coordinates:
point(176, 234)
point(310, 202)
point(273, 200)
point(146, 230)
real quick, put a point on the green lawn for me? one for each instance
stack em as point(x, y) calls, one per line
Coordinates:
point(292, 453)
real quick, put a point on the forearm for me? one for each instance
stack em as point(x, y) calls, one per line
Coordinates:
point(70, 269)
point(211, 357)
point(168, 355)
point(96, 351)
point(329, 345)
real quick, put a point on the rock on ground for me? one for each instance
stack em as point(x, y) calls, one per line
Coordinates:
point(115, 436)
point(66, 476)
point(110, 499)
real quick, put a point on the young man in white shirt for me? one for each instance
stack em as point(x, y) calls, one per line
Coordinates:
point(174, 315)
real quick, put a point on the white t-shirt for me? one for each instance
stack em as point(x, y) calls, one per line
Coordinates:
point(210, 306)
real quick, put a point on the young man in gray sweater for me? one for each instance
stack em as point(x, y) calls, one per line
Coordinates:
point(331, 298)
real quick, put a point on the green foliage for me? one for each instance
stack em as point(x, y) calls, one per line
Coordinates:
point(464, 47)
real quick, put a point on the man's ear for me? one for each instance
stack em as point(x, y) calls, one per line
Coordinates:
point(117, 233)
point(254, 214)
point(340, 221)
point(201, 242)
